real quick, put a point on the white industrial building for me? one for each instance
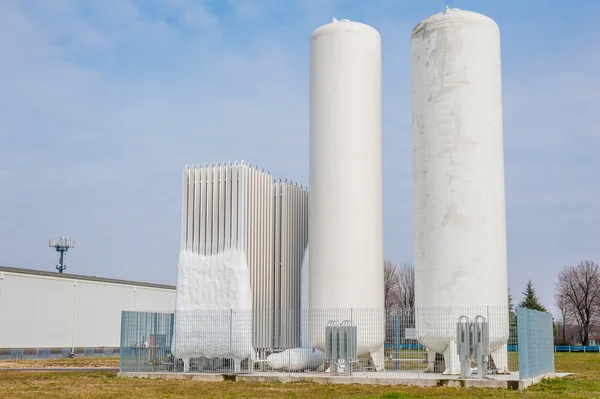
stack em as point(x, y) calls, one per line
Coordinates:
point(52, 311)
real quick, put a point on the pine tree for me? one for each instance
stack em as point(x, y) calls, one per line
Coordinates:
point(530, 299)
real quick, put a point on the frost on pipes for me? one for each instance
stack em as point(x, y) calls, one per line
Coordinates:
point(208, 288)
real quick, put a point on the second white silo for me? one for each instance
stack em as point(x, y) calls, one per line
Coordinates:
point(458, 170)
point(345, 228)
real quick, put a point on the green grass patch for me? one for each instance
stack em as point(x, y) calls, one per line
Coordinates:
point(20, 385)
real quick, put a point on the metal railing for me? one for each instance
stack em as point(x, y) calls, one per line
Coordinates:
point(577, 348)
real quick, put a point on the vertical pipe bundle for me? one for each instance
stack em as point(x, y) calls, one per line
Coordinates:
point(243, 237)
point(290, 222)
point(219, 262)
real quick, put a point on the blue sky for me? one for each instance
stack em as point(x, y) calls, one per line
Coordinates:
point(104, 102)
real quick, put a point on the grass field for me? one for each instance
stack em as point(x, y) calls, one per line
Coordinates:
point(78, 362)
point(33, 384)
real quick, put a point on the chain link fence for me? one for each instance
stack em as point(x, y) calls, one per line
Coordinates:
point(477, 342)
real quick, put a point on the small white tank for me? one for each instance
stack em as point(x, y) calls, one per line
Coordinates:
point(345, 228)
point(458, 171)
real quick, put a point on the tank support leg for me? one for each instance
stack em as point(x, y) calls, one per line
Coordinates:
point(451, 359)
point(500, 360)
point(431, 355)
point(378, 359)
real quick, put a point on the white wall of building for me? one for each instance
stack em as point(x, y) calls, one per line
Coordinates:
point(48, 310)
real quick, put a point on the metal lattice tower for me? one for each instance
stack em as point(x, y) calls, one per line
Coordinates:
point(62, 245)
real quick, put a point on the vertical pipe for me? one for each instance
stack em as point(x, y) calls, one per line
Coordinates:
point(215, 211)
point(258, 266)
point(269, 288)
point(235, 208)
point(184, 197)
point(277, 263)
point(263, 266)
point(257, 246)
point(265, 250)
point(209, 207)
point(190, 211)
point(202, 237)
point(222, 202)
point(285, 227)
point(228, 206)
point(296, 268)
point(197, 204)
point(243, 193)
point(250, 236)
point(285, 262)
point(252, 233)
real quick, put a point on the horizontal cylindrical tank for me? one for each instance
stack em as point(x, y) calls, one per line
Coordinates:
point(458, 171)
point(345, 228)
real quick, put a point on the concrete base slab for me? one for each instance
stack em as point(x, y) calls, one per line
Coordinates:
point(423, 380)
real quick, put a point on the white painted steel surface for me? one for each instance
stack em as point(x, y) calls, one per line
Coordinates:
point(458, 171)
point(346, 254)
point(56, 312)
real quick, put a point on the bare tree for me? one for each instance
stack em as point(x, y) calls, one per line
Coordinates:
point(399, 290)
point(406, 290)
point(391, 284)
point(399, 286)
point(579, 287)
point(562, 304)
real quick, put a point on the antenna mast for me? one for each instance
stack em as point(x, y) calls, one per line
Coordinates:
point(62, 245)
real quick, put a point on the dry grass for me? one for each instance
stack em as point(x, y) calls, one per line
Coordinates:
point(18, 385)
point(77, 362)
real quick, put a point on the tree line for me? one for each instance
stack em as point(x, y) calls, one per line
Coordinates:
point(577, 296)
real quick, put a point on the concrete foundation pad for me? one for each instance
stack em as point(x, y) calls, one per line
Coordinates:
point(430, 380)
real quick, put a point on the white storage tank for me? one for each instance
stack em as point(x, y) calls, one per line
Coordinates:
point(345, 228)
point(458, 170)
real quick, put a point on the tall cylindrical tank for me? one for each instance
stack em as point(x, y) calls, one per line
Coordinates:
point(345, 228)
point(458, 172)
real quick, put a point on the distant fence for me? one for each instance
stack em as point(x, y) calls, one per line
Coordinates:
point(55, 353)
point(574, 348)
